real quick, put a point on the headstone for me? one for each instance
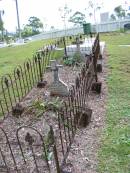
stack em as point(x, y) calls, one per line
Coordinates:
point(78, 44)
point(78, 56)
point(58, 87)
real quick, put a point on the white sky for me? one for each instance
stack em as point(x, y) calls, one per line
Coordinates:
point(47, 10)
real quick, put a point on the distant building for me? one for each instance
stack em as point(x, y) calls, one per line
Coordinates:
point(104, 17)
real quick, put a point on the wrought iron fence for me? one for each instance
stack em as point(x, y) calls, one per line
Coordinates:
point(15, 87)
point(29, 149)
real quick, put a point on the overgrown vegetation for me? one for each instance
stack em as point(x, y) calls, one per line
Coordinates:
point(114, 155)
point(40, 107)
point(73, 60)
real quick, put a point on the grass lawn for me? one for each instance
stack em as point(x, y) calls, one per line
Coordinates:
point(12, 56)
point(114, 155)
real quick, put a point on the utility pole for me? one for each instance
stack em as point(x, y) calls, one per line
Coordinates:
point(18, 21)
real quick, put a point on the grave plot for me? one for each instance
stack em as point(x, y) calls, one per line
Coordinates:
point(40, 120)
point(82, 45)
point(39, 140)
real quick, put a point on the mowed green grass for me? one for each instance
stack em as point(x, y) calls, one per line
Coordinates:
point(10, 57)
point(114, 154)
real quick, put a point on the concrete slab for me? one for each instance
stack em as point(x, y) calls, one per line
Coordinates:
point(85, 48)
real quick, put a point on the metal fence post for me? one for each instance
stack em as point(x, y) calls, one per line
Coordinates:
point(41, 83)
point(65, 50)
point(55, 151)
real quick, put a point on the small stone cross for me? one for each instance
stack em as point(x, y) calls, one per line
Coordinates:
point(55, 68)
point(58, 87)
point(78, 44)
point(78, 52)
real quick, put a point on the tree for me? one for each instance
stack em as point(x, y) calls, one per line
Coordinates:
point(35, 24)
point(2, 24)
point(78, 18)
point(119, 11)
point(113, 17)
point(94, 7)
point(64, 13)
point(27, 31)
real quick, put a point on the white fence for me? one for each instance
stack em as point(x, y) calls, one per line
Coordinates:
point(102, 27)
point(112, 26)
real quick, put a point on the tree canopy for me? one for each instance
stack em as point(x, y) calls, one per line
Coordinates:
point(33, 27)
point(1, 25)
point(77, 18)
point(119, 11)
point(1, 21)
point(27, 31)
point(113, 17)
point(35, 24)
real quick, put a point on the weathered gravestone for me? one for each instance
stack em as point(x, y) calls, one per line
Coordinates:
point(58, 87)
point(78, 44)
point(78, 56)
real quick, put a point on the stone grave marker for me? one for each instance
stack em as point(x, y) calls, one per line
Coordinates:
point(78, 55)
point(57, 87)
point(78, 45)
